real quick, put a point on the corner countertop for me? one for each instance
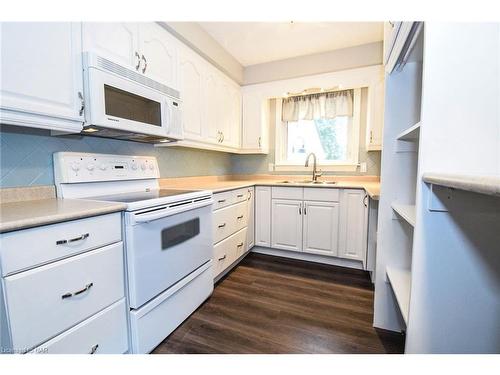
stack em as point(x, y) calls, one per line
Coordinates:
point(370, 184)
point(33, 213)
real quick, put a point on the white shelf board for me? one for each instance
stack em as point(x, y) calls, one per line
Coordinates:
point(411, 134)
point(400, 280)
point(489, 185)
point(406, 211)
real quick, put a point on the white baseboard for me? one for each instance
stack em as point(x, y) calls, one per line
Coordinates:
point(309, 257)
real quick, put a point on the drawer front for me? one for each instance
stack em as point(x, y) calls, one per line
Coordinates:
point(229, 220)
point(287, 192)
point(227, 251)
point(57, 241)
point(103, 333)
point(47, 300)
point(321, 194)
point(223, 199)
point(224, 255)
point(240, 195)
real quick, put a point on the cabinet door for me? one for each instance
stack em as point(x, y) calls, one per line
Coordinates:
point(286, 224)
point(263, 216)
point(321, 227)
point(41, 74)
point(159, 49)
point(353, 224)
point(255, 123)
point(232, 114)
point(375, 124)
point(211, 129)
point(251, 218)
point(191, 81)
point(117, 41)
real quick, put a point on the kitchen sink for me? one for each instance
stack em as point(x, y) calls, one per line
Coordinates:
point(308, 182)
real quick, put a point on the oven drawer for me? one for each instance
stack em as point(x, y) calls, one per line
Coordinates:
point(47, 300)
point(150, 324)
point(102, 333)
point(227, 251)
point(229, 220)
point(18, 253)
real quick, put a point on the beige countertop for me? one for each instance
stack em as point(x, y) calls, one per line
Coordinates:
point(33, 213)
point(370, 184)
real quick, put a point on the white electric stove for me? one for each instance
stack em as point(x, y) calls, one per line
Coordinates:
point(168, 237)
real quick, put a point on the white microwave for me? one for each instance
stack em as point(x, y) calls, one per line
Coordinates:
point(121, 103)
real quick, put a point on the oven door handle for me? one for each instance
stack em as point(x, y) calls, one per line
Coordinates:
point(139, 218)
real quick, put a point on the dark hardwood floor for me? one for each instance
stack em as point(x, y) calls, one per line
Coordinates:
point(276, 305)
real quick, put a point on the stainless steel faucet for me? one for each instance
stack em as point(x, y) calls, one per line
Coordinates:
point(316, 174)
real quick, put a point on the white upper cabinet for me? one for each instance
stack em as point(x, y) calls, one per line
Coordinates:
point(143, 47)
point(41, 75)
point(255, 123)
point(192, 94)
point(158, 54)
point(353, 224)
point(321, 228)
point(116, 41)
point(375, 120)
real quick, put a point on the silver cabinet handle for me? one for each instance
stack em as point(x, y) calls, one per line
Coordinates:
point(249, 195)
point(222, 225)
point(82, 101)
point(68, 295)
point(240, 244)
point(364, 200)
point(300, 209)
point(224, 257)
point(80, 238)
point(240, 217)
point(305, 209)
point(222, 137)
point(138, 61)
point(221, 201)
point(145, 64)
point(94, 349)
point(260, 142)
point(239, 196)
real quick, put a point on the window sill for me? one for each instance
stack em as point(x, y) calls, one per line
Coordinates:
point(322, 167)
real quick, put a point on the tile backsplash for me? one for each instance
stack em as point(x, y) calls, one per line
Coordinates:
point(26, 156)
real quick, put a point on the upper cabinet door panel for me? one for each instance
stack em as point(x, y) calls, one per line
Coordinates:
point(191, 84)
point(159, 49)
point(41, 69)
point(211, 131)
point(117, 41)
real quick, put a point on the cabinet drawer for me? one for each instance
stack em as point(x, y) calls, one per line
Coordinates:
point(230, 197)
point(287, 192)
point(224, 255)
point(240, 195)
point(47, 300)
point(57, 241)
point(321, 194)
point(229, 220)
point(103, 333)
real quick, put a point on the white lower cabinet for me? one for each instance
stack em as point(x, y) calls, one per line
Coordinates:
point(286, 224)
point(321, 227)
point(353, 224)
point(65, 305)
point(263, 216)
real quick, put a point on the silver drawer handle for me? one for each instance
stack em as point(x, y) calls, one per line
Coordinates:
point(68, 295)
point(240, 244)
point(221, 201)
point(239, 196)
point(80, 238)
point(222, 225)
point(224, 257)
point(240, 217)
point(94, 349)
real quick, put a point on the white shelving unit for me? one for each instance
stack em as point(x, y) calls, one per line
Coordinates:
point(438, 264)
point(406, 211)
point(400, 280)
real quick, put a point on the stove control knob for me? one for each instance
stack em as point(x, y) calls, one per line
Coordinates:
point(143, 166)
point(134, 166)
point(151, 166)
point(90, 166)
point(75, 166)
point(103, 167)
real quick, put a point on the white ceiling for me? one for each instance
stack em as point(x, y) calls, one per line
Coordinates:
point(259, 42)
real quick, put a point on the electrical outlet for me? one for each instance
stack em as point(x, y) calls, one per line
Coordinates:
point(362, 167)
point(271, 167)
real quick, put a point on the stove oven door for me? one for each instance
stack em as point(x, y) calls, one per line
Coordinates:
point(163, 251)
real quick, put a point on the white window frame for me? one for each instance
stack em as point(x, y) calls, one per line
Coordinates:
point(280, 162)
